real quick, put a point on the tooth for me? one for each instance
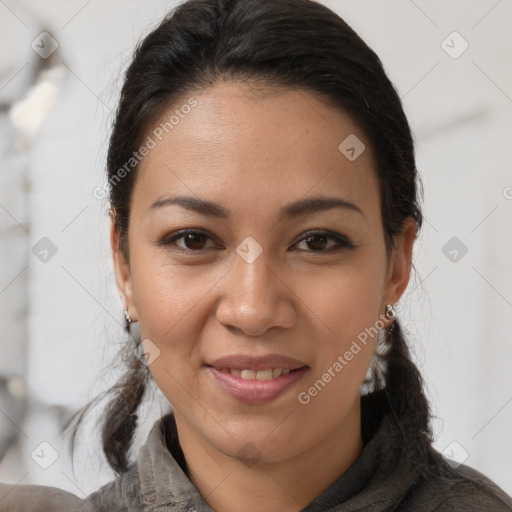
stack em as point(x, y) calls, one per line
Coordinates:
point(264, 374)
point(267, 374)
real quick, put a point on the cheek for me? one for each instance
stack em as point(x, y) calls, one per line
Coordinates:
point(170, 300)
point(167, 300)
point(343, 355)
point(167, 296)
point(348, 321)
point(346, 301)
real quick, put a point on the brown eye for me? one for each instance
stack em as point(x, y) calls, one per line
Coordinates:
point(317, 242)
point(192, 241)
point(321, 241)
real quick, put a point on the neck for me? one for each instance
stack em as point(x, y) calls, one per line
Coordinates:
point(227, 483)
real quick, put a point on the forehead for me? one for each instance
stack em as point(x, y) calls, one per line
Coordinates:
point(256, 150)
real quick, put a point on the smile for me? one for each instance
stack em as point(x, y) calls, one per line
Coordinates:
point(268, 374)
point(259, 387)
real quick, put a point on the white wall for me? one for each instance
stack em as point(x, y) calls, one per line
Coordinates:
point(458, 314)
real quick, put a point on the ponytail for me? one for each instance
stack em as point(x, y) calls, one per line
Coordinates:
point(402, 387)
point(120, 419)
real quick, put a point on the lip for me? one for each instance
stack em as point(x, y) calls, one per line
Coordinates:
point(253, 391)
point(247, 362)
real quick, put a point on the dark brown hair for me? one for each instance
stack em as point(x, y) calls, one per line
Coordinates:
point(299, 44)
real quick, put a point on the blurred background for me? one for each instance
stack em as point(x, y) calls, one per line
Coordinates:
point(61, 64)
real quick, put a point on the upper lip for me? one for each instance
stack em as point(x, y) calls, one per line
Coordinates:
point(248, 362)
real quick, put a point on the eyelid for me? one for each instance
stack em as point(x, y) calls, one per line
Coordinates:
point(342, 241)
point(167, 240)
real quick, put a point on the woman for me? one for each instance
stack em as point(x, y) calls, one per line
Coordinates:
point(264, 207)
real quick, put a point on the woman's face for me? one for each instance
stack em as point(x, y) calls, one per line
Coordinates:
point(259, 332)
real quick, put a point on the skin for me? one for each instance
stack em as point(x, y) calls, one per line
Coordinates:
point(254, 152)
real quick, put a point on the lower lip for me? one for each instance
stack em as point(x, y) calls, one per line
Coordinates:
point(253, 391)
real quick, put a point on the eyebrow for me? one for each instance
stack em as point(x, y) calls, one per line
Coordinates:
point(295, 209)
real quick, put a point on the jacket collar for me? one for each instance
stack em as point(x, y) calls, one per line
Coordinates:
point(382, 473)
point(162, 481)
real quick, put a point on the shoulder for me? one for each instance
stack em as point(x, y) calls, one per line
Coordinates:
point(447, 488)
point(121, 494)
point(32, 498)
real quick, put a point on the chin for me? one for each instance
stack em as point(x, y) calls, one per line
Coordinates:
point(255, 443)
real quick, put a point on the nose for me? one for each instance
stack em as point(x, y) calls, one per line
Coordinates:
point(255, 298)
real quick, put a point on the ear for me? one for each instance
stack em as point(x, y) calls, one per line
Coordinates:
point(121, 270)
point(400, 263)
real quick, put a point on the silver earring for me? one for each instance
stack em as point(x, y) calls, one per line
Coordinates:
point(390, 313)
point(127, 316)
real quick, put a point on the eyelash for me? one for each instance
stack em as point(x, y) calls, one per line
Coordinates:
point(342, 242)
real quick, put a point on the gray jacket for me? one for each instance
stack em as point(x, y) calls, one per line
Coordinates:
point(386, 477)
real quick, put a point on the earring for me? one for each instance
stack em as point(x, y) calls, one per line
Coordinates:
point(127, 316)
point(390, 313)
